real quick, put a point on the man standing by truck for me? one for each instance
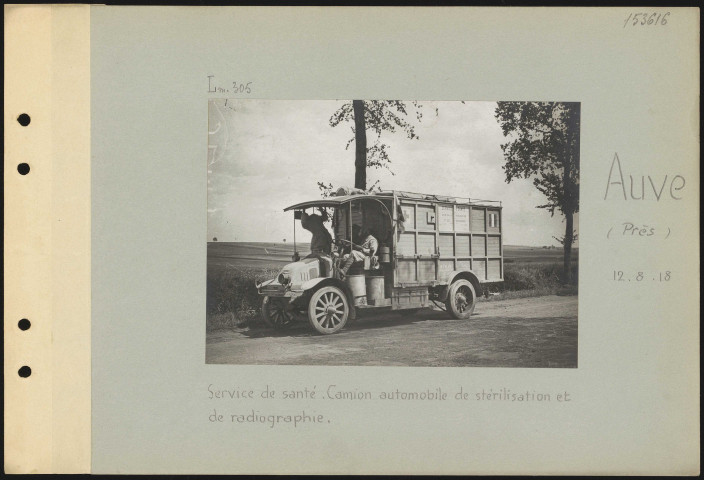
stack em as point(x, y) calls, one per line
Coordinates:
point(321, 243)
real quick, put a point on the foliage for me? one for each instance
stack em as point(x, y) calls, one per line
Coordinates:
point(380, 116)
point(377, 116)
point(232, 299)
point(526, 276)
point(561, 240)
point(325, 189)
point(543, 144)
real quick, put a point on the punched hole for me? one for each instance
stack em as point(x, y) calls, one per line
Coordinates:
point(24, 119)
point(24, 372)
point(23, 168)
point(24, 324)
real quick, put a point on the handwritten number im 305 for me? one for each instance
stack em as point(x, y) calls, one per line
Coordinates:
point(646, 19)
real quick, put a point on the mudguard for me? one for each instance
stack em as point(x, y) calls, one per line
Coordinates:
point(311, 285)
point(455, 275)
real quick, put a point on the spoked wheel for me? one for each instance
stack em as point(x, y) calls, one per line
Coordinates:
point(328, 310)
point(275, 314)
point(461, 299)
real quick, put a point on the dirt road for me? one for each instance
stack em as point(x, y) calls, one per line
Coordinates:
point(525, 332)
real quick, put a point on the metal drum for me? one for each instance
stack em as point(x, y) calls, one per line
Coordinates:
point(375, 290)
point(359, 288)
point(384, 255)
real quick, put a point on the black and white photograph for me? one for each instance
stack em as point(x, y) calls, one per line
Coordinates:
point(393, 233)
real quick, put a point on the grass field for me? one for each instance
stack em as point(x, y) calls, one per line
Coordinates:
point(233, 301)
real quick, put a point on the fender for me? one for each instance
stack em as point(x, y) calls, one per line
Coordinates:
point(311, 285)
point(456, 275)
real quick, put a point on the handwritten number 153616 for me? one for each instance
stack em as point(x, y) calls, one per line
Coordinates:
point(654, 18)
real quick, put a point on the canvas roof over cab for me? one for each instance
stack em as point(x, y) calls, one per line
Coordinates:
point(387, 194)
point(329, 202)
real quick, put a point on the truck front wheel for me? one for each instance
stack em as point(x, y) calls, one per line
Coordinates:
point(461, 299)
point(274, 312)
point(328, 310)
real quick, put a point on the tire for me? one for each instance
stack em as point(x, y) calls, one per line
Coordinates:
point(328, 310)
point(461, 299)
point(274, 313)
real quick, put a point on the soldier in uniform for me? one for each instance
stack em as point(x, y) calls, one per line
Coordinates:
point(321, 243)
point(369, 247)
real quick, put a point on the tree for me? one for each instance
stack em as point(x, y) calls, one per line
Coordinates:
point(544, 145)
point(376, 116)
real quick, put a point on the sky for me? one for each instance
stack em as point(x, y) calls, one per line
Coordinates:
point(264, 155)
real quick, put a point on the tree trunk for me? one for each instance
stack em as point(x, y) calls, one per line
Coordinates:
point(360, 141)
point(569, 218)
point(567, 200)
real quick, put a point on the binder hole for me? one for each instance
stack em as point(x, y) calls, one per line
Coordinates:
point(23, 168)
point(24, 372)
point(24, 324)
point(24, 119)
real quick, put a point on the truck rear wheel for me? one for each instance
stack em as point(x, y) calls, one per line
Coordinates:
point(328, 310)
point(461, 299)
point(274, 313)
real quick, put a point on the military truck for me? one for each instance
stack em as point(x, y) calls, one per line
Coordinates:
point(433, 250)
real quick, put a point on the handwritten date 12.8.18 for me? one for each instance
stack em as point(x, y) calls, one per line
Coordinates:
point(635, 19)
point(620, 276)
